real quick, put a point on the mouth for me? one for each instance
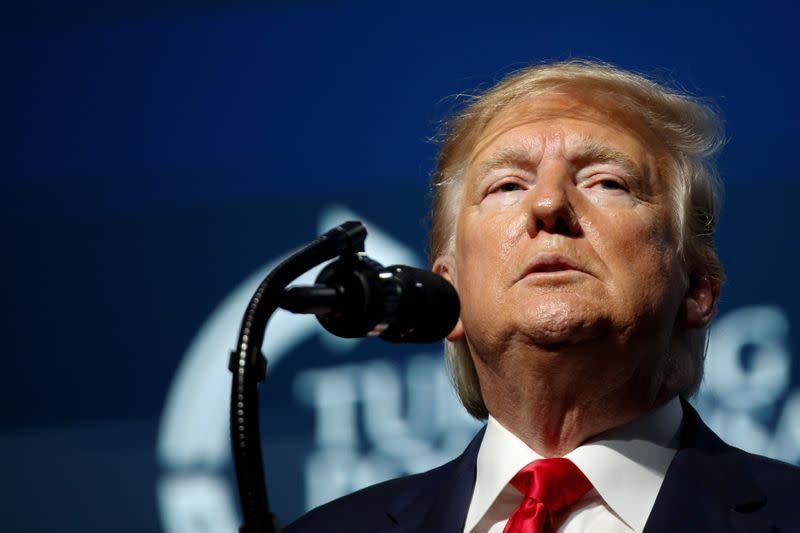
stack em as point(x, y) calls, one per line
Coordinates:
point(551, 263)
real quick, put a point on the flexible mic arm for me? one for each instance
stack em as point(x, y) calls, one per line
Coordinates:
point(249, 367)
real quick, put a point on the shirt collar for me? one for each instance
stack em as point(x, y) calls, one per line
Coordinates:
point(501, 455)
point(626, 465)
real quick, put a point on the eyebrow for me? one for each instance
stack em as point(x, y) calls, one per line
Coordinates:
point(508, 157)
point(585, 151)
point(589, 150)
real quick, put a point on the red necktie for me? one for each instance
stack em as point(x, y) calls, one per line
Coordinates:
point(548, 485)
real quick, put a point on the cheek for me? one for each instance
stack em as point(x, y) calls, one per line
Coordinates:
point(646, 262)
point(635, 245)
point(510, 231)
point(658, 241)
point(637, 236)
point(488, 244)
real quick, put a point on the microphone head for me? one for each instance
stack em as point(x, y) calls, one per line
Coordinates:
point(397, 303)
point(427, 306)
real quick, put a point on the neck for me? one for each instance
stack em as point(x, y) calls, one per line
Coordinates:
point(555, 401)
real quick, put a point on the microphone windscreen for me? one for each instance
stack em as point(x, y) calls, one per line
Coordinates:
point(428, 307)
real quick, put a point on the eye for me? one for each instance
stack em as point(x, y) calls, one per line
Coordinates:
point(608, 184)
point(505, 186)
point(509, 187)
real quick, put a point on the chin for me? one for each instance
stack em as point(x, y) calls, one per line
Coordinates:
point(559, 322)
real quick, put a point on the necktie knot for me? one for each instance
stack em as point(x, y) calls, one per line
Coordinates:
point(548, 485)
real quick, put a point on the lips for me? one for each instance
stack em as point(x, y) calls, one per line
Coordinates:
point(549, 263)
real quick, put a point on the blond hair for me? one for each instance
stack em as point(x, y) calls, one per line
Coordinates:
point(692, 135)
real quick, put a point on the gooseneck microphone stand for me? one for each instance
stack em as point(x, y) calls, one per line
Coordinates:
point(249, 368)
point(354, 296)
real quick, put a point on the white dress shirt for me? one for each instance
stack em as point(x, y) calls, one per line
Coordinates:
point(626, 466)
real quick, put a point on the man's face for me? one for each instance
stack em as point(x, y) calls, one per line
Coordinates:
point(564, 233)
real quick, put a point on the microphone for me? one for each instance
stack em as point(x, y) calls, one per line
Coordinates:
point(356, 296)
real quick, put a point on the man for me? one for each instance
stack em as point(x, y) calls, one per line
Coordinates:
point(574, 212)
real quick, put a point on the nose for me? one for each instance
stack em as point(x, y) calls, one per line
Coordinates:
point(550, 208)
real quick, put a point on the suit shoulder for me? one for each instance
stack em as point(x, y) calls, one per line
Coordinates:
point(779, 483)
point(366, 509)
point(771, 473)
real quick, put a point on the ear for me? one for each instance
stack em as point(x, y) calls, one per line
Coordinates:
point(700, 300)
point(445, 266)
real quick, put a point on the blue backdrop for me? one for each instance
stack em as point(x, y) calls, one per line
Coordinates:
point(158, 158)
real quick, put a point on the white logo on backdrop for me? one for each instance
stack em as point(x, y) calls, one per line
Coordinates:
point(378, 419)
point(745, 397)
point(409, 418)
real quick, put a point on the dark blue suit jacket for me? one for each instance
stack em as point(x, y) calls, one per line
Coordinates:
point(709, 487)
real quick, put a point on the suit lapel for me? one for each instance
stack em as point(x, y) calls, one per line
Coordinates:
point(441, 504)
point(707, 487)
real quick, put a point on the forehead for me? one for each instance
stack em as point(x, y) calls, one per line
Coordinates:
point(573, 124)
